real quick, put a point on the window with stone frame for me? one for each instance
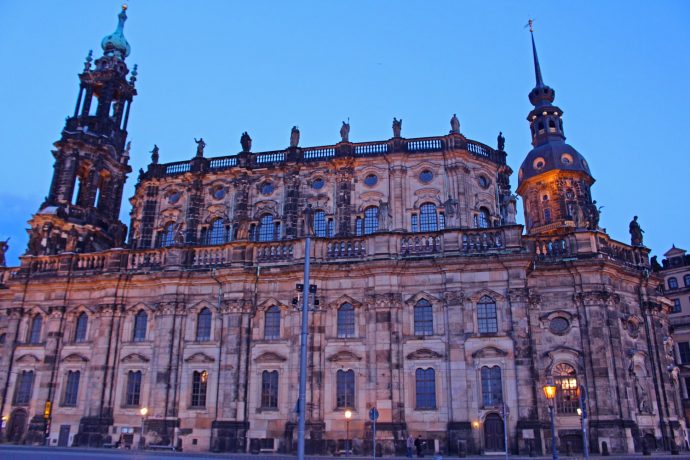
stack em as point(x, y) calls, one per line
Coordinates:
point(133, 389)
point(484, 218)
point(269, 389)
point(672, 283)
point(69, 398)
point(272, 323)
point(203, 325)
point(425, 389)
point(346, 321)
point(217, 232)
point(428, 220)
point(320, 224)
point(414, 223)
point(686, 280)
point(140, 325)
point(80, 327)
point(423, 318)
point(487, 316)
point(441, 221)
point(330, 228)
point(547, 216)
point(266, 228)
point(345, 389)
point(359, 227)
point(23, 388)
point(167, 236)
point(371, 220)
point(676, 306)
point(565, 378)
point(492, 388)
point(199, 385)
point(34, 335)
point(684, 352)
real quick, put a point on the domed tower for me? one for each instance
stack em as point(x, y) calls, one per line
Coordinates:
point(81, 211)
point(554, 180)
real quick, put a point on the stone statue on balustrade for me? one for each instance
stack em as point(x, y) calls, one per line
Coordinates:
point(178, 235)
point(246, 142)
point(397, 127)
point(635, 233)
point(154, 155)
point(593, 215)
point(452, 215)
point(384, 215)
point(345, 132)
point(501, 141)
point(294, 137)
point(4, 247)
point(454, 125)
point(200, 146)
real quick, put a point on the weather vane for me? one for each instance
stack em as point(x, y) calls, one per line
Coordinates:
point(529, 24)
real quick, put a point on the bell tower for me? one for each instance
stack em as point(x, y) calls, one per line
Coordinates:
point(81, 211)
point(554, 180)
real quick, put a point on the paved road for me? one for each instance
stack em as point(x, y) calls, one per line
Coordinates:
point(11, 452)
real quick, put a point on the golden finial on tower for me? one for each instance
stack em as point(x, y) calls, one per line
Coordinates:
point(124, 7)
point(530, 25)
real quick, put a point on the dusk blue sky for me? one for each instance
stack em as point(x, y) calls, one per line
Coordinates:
point(214, 69)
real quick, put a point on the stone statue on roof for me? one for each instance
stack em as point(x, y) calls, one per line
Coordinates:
point(454, 125)
point(345, 132)
point(246, 142)
point(397, 127)
point(200, 145)
point(635, 232)
point(501, 141)
point(294, 137)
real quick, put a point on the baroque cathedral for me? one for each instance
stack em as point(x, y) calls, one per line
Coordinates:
point(429, 302)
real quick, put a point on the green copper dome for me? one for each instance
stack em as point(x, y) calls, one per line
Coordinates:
point(116, 44)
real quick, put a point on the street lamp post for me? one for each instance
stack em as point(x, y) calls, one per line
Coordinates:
point(550, 393)
point(348, 415)
point(582, 412)
point(142, 442)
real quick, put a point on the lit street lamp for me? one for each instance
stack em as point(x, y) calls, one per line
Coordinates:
point(582, 412)
point(550, 393)
point(142, 442)
point(348, 415)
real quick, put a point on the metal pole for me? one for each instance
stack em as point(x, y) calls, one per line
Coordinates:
point(505, 427)
point(347, 438)
point(554, 448)
point(303, 352)
point(585, 441)
point(373, 455)
point(142, 442)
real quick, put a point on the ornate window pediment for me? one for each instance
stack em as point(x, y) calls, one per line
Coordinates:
point(270, 357)
point(28, 359)
point(134, 358)
point(75, 358)
point(343, 356)
point(489, 352)
point(424, 353)
point(199, 358)
point(474, 297)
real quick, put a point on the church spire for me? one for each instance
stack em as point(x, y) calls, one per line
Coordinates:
point(537, 68)
point(542, 95)
point(116, 44)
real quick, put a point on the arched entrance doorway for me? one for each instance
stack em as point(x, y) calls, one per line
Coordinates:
point(493, 434)
point(16, 425)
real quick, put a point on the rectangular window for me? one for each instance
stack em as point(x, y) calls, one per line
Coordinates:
point(133, 388)
point(414, 223)
point(23, 388)
point(331, 228)
point(441, 221)
point(425, 389)
point(71, 389)
point(269, 390)
point(492, 390)
point(487, 318)
point(423, 318)
point(676, 306)
point(199, 382)
point(345, 389)
point(684, 352)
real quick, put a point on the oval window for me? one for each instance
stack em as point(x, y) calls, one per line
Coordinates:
point(266, 188)
point(218, 193)
point(318, 184)
point(539, 163)
point(174, 197)
point(426, 176)
point(483, 182)
point(566, 159)
point(371, 180)
point(559, 325)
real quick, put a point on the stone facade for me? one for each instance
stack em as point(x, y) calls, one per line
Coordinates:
point(430, 303)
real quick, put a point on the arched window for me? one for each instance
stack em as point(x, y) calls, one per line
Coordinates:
point(686, 280)
point(672, 283)
point(272, 323)
point(217, 233)
point(359, 228)
point(371, 220)
point(484, 218)
point(552, 126)
point(133, 395)
point(35, 330)
point(23, 388)
point(492, 390)
point(547, 216)
point(167, 237)
point(203, 325)
point(487, 319)
point(346, 321)
point(80, 329)
point(266, 228)
point(425, 389)
point(140, 326)
point(541, 127)
point(565, 379)
point(345, 389)
point(199, 384)
point(427, 218)
point(71, 389)
point(320, 223)
point(269, 389)
point(423, 318)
